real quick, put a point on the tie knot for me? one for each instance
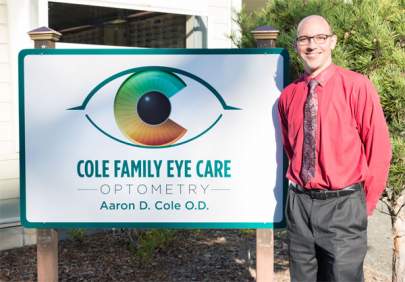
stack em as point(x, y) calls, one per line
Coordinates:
point(312, 84)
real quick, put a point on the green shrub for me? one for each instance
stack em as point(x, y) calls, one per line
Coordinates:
point(77, 234)
point(144, 243)
point(371, 40)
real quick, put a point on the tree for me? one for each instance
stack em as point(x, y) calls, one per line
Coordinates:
point(371, 40)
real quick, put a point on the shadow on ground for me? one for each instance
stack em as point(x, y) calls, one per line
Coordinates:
point(192, 255)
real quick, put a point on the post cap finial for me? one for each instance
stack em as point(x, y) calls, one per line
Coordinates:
point(265, 32)
point(44, 33)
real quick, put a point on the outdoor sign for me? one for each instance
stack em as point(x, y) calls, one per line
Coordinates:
point(151, 137)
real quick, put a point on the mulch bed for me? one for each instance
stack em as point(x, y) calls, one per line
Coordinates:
point(193, 255)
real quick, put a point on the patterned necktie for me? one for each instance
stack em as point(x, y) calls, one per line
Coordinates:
point(308, 149)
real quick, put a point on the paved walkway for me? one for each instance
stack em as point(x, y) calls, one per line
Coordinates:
point(379, 255)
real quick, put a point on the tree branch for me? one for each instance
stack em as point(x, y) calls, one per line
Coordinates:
point(403, 205)
point(391, 211)
point(386, 203)
point(384, 212)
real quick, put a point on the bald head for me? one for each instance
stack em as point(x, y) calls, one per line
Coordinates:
point(314, 44)
point(312, 21)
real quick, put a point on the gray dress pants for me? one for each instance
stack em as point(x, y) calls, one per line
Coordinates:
point(327, 238)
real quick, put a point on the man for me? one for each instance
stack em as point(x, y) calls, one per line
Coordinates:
point(337, 142)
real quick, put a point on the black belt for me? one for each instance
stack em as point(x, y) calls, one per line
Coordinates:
point(323, 194)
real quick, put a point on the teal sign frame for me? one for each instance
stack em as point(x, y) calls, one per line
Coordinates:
point(89, 52)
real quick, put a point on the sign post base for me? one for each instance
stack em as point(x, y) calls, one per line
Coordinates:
point(47, 255)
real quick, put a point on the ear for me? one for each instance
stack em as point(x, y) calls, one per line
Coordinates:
point(333, 41)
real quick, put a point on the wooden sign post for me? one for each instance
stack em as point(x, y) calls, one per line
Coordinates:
point(47, 239)
point(265, 37)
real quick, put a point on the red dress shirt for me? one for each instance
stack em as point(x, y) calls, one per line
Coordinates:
point(352, 140)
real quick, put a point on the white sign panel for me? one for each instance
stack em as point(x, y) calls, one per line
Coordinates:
point(151, 138)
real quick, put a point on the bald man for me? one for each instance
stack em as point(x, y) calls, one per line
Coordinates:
point(337, 143)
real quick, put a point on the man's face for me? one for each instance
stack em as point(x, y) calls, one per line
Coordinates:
point(315, 55)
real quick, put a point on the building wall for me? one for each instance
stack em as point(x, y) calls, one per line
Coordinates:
point(11, 235)
point(220, 16)
point(8, 149)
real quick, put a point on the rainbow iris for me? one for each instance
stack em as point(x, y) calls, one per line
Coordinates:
point(142, 108)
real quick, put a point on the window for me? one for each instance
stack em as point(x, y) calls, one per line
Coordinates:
point(117, 27)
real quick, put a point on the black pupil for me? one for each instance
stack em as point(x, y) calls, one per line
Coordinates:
point(153, 108)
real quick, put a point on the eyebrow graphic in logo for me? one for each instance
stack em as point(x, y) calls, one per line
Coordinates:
point(143, 108)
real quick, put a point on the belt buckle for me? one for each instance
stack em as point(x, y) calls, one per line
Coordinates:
point(322, 195)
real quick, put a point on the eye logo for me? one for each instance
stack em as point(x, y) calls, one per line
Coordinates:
point(143, 110)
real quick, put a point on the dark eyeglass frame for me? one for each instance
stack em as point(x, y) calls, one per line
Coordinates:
point(305, 40)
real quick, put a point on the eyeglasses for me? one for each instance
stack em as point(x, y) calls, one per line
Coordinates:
point(318, 39)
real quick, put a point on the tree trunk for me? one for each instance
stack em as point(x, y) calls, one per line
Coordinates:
point(398, 257)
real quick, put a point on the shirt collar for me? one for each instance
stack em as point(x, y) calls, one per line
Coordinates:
point(323, 77)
